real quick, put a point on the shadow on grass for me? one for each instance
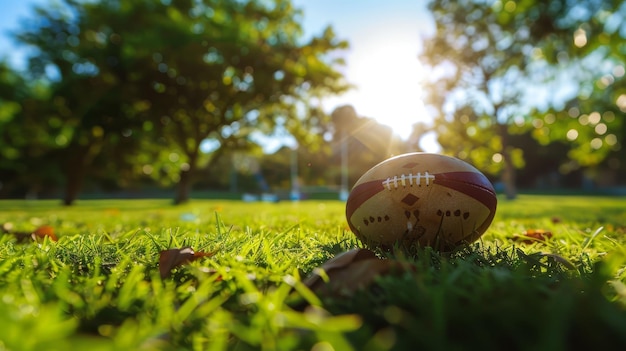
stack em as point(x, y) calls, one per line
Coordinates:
point(489, 300)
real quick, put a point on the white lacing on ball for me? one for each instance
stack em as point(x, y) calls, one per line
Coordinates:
point(410, 180)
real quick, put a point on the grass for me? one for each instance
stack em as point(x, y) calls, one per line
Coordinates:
point(98, 287)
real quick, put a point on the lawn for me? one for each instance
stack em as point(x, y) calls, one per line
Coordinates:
point(99, 287)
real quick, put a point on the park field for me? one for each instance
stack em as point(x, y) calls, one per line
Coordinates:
point(549, 274)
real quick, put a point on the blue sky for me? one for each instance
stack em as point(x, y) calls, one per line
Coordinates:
point(12, 12)
point(385, 38)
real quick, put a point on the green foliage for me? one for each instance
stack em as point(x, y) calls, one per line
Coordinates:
point(99, 285)
point(500, 68)
point(29, 134)
point(131, 79)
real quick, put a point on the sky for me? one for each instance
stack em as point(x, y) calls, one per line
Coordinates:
point(385, 39)
point(12, 12)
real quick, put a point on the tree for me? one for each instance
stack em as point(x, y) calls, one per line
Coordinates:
point(152, 81)
point(92, 95)
point(589, 122)
point(244, 71)
point(26, 165)
point(491, 60)
point(11, 89)
point(367, 141)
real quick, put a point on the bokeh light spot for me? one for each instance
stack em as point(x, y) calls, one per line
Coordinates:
point(594, 117)
point(572, 134)
point(610, 139)
point(580, 38)
point(621, 102)
point(596, 143)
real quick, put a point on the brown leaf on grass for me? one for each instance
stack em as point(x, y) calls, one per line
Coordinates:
point(533, 235)
point(43, 231)
point(350, 271)
point(172, 258)
point(38, 234)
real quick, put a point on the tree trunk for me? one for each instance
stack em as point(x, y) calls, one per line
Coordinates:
point(508, 173)
point(72, 189)
point(186, 179)
point(508, 176)
point(184, 187)
point(74, 175)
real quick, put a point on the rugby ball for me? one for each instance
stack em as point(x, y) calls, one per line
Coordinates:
point(421, 198)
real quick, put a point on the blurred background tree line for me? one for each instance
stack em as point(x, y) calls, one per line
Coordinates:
point(141, 95)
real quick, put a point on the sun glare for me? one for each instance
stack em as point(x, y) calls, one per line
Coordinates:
point(382, 60)
point(384, 67)
point(388, 86)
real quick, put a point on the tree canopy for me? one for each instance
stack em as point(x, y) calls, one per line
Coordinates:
point(140, 86)
point(122, 94)
point(505, 67)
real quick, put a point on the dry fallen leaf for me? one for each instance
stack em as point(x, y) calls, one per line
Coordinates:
point(349, 272)
point(37, 234)
point(169, 259)
point(43, 231)
point(533, 235)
